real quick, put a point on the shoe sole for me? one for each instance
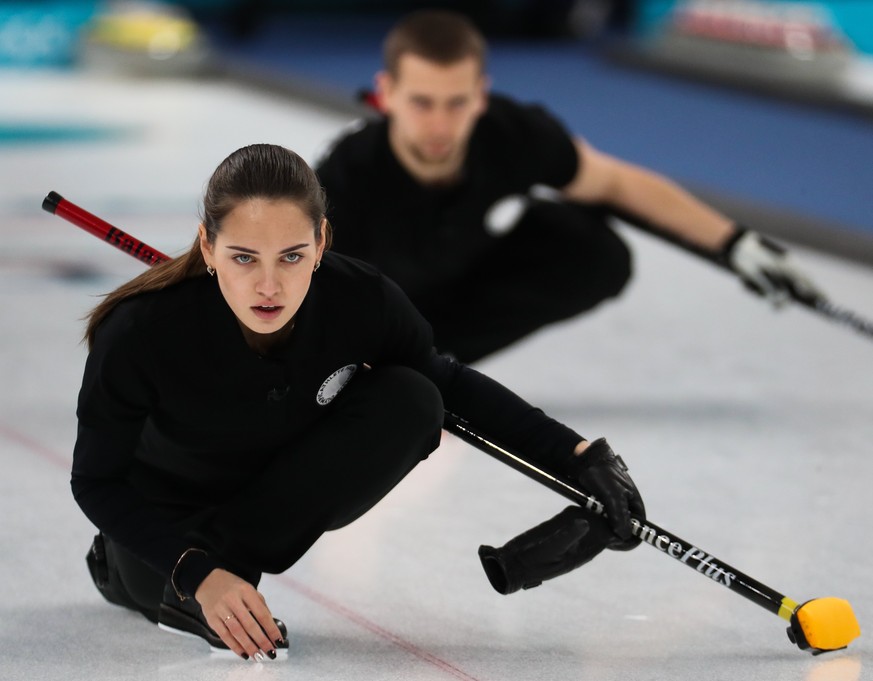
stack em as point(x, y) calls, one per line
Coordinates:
point(181, 624)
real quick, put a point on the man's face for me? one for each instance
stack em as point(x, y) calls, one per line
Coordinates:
point(432, 111)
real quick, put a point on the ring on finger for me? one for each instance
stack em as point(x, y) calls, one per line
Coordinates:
point(227, 619)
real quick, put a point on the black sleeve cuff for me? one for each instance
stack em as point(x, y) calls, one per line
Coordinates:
point(192, 570)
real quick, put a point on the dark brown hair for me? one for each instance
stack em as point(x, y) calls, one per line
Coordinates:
point(263, 171)
point(438, 36)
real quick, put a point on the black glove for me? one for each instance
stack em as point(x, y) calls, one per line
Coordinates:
point(553, 548)
point(603, 474)
point(767, 269)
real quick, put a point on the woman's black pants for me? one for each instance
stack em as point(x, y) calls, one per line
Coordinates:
point(382, 424)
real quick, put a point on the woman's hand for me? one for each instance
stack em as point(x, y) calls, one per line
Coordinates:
point(596, 467)
point(238, 613)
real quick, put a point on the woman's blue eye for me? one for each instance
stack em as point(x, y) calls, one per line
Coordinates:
point(245, 258)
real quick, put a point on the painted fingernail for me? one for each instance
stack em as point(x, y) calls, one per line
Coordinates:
point(278, 642)
point(259, 656)
point(272, 654)
point(245, 656)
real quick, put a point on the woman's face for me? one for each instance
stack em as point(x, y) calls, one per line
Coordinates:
point(264, 257)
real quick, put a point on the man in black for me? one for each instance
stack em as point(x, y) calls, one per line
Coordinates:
point(489, 214)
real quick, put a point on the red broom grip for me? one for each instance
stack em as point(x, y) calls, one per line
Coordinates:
point(57, 204)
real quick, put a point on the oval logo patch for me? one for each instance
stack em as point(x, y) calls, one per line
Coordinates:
point(334, 383)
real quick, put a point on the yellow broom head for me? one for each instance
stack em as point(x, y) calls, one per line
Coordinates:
point(824, 624)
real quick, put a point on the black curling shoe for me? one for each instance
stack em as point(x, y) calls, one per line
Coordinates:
point(186, 618)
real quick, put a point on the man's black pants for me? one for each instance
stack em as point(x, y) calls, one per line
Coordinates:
point(561, 260)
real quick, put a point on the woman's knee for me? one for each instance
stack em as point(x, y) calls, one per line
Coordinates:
point(404, 396)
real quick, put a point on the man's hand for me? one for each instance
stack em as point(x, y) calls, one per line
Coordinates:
point(767, 269)
point(605, 476)
point(238, 613)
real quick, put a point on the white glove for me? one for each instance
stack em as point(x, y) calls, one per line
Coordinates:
point(767, 269)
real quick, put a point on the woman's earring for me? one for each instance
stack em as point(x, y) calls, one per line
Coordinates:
point(317, 265)
point(211, 270)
